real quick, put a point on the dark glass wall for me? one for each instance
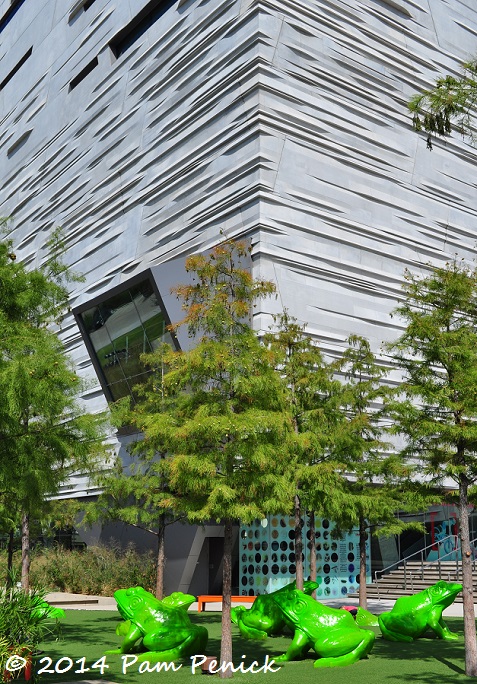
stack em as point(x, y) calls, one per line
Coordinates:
point(118, 329)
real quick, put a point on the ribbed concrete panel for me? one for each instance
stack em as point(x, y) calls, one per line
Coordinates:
point(284, 120)
point(351, 196)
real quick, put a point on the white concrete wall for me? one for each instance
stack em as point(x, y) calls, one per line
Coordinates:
point(350, 194)
point(283, 120)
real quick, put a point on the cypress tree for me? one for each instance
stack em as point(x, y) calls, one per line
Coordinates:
point(218, 411)
point(313, 399)
point(45, 436)
point(437, 407)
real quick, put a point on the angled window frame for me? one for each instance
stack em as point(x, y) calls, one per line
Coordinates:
point(96, 302)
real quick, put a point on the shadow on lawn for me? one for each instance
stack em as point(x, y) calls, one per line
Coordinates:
point(428, 649)
point(421, 649)
point(90, 636)
point(254, 650)
point(83, 636)
point(430, 677)
point(205, 618)
point(90, 632)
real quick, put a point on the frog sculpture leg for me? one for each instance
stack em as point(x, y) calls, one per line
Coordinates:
point(412, 616)
point(161, 631)
point(265, 617)
point(332, 633)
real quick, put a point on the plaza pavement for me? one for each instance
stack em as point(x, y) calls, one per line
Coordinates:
point(87, 602)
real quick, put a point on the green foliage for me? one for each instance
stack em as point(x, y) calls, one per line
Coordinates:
point(381, 481)
point(219, 407)
point(44, 434)
point(41, 421)
point(218, 410)
point(313, 398)
point(225, 432)
point(219, 300)
point(97, 570)
point(21, 621)
point(448, 106)
point(133, 495)
point(34, 296)
point(313, 403)
point(24, 623)
point(437, 409)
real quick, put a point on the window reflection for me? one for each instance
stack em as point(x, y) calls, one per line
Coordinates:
point(122, 328)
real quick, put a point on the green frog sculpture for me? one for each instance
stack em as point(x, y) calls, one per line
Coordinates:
point(412, 616)
point(160, 631)
point(265, 617)
point(179, 600)
point(42, 608)
point(332, 633)
point(362, 617)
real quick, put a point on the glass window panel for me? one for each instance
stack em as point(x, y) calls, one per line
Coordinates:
point(155, 327)
point(143, 289)
point(120, 389)
point(120, 329)
point(111, 367)
point(94, 318)
point(166, 339)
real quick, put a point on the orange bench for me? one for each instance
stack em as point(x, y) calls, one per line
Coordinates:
point(205, 599)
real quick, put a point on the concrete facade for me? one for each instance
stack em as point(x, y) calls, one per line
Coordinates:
point(277, 120)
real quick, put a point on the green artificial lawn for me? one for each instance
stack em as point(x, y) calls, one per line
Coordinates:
point(88, 634)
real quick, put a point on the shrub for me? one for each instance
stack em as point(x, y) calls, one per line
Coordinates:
point(25, 620)
point(97, 570)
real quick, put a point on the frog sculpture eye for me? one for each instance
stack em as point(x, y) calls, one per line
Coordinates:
point(300, 606)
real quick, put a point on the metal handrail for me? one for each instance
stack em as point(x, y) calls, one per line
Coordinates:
point(455, 550)
point(404, 560)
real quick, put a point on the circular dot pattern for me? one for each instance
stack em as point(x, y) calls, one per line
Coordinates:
point(268, 560)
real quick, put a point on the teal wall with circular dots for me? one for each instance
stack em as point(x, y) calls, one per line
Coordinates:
point(267, 557)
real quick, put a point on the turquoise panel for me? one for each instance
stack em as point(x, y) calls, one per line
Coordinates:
point(267, 557)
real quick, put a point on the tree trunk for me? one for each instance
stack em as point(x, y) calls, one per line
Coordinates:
point(25, 552)
point(161, 557)
point(363, 597)
point(298, 543)
point(311, 527)
point(226, 642)
point(10, 549)
point(467, 591)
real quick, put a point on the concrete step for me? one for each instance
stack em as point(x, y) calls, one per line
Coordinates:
point(78, 601)
point(416, 578)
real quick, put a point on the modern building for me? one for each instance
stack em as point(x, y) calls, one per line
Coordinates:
point(144, 128)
